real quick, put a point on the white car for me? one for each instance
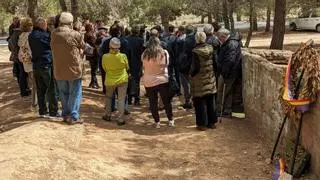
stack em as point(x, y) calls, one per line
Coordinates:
point(311, 22)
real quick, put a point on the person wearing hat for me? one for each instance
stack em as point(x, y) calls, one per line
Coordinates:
point(67, 46)
point(203, 83)
point(116, 66)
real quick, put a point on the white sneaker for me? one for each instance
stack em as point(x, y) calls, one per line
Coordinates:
point(157, 125)
point(171, 123)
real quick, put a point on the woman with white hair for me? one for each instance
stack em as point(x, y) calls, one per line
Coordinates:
point(203, 83)
point(67, 45)
point(116, 66)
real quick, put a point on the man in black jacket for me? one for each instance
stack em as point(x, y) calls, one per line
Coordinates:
point(184, 61)
point(135, 51)
point(229, 73)
point(39, 41)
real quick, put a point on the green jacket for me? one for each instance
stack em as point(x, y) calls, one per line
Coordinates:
point(203, 81)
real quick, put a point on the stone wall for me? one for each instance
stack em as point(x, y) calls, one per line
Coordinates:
point(263, 74)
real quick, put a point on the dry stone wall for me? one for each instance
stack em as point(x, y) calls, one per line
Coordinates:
point(263, 74)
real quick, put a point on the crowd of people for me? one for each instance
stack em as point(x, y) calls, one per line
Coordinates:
point(204, 66)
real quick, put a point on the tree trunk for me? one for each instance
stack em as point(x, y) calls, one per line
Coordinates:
point(255, 20)
point(63, 5)
point(279, 26)
point(268, 16)
point(33, 9)
point(210, 18)
point(239, 17)
point(216, 11)
point(75, 9)
point(251, 24)
point(225, 14)
point(202, 19)
point(231, 10)
point(165, 20)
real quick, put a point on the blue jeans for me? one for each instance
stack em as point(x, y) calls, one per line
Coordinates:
point(70, 94)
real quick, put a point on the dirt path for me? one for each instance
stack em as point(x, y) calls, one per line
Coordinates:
point(32, 148)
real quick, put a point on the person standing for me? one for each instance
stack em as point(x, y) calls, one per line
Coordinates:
point(39, 41)
point(116, 66)
point(185, 63)
point(229, 73)
point(18, 69)
point(90, 38)
point(25, 56)
point(156, 79)
point(135, 50)
point(203, 83)
point(67, 45)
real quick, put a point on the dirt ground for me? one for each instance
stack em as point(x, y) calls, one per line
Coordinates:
point(33, 148)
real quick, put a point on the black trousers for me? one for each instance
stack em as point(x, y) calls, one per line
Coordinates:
point(163, 90)
point(94, 65)
point(103, 76)
point(46, 91)
point(205, 110)
point(22, 79)
point(134, 90)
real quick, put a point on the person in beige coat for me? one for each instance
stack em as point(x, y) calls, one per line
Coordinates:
point(67, 45)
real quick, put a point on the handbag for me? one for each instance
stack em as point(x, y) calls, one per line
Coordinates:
point(173, 85)
point(88, 50)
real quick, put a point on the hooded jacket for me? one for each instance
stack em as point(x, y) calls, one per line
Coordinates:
point(203, 81)
point(229, 57)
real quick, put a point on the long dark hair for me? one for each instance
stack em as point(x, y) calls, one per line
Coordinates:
point(153, 49)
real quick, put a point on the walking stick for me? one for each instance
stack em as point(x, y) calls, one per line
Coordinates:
point(286, 117)
point(293, 160)
point(222, 103)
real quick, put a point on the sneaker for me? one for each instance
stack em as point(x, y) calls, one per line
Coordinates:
point(126, 112)
point(106, 118)
point(187, 106)
point(43, 115)
point(73, 122)
point(121, 123)
point(201, 128)
point(171, 123)
point(212, 126)
point(157, 125)
point(55, 116)
point(137, 103)
point(238, 115)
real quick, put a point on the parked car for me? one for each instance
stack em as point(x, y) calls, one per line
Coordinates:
point(309, 21)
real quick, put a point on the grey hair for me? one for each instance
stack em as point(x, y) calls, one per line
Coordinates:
point(40, 20)
point(223, 32)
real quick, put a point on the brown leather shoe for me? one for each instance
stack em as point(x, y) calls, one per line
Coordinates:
point(201, 128)
point(212, 126)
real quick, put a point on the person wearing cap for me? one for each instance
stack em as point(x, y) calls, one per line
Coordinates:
point(67, 45)
point(116, 66)
point(39, 41)
point(229, 70)
point(203, 83)
point(136, 49)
